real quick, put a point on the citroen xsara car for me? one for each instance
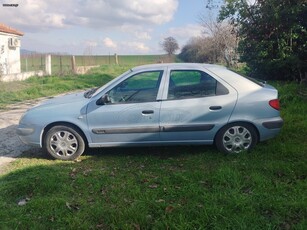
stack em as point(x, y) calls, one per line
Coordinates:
point(159, 104)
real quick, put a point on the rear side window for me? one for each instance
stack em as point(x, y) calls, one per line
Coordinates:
point(256, 81)
point(192, 84)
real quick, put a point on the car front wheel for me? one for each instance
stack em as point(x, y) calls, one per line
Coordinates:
point(64, 143)
point(236, 137)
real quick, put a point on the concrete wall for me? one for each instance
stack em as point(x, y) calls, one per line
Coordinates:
point(21, 76)
point(84, 69)
point(41, 73)
point(9, 55)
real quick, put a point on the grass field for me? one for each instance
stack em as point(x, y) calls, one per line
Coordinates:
point(163, 187)
point(62, 64)
point(35, 87)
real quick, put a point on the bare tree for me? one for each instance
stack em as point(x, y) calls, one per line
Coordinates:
point(170, 45)
point(224, 40)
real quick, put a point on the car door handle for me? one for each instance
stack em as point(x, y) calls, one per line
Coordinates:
point(215, 107)
point(147, 112)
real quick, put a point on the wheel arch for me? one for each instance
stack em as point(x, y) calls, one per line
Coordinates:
point(240, 123)
point(68, 124)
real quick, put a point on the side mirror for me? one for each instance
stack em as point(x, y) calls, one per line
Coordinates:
point(105, 99)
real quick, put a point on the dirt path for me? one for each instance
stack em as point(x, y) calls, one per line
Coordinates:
point(10, 145)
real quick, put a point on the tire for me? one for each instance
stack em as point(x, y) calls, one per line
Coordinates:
point(236, 137)
point(63, 143)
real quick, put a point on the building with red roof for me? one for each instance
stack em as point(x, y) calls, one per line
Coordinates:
point(9, 50)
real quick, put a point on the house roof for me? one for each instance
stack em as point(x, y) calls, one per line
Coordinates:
point(6, 29)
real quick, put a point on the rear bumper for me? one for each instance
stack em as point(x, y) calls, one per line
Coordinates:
point(269, 127)
point(273, 124)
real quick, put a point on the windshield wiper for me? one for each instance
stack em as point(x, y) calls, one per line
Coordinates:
point(89, 93)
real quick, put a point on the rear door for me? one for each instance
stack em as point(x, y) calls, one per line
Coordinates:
point(195, 106)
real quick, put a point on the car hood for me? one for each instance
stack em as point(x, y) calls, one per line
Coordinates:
point(68, 98)
point(64, 108)
point(63, 100)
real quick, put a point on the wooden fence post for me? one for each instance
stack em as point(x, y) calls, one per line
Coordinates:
point(73, 64)
point(61, 66)
point(116, 59)
point(26, 64)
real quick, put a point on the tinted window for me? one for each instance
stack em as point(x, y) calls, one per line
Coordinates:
point(193, 83)
point(142, 87)
point(257, 81)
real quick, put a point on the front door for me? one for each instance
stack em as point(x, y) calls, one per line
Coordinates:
point(131, 115)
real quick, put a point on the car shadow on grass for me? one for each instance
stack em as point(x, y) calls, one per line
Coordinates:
point(157, 151)
point(161, 152)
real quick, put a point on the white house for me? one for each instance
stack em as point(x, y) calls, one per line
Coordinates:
point(9, 50)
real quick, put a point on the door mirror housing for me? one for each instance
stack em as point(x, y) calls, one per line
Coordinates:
point(105, 99)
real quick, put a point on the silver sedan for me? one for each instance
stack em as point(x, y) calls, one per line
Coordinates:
point(159, 104)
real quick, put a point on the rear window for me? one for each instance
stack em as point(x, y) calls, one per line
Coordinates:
point(256, 81)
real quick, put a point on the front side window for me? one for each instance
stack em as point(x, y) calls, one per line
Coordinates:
point(142, 87)
point(193, 83)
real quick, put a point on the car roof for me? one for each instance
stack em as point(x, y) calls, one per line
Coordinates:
point(239, 82)
point(177, 65)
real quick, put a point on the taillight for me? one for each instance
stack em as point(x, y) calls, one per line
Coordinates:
point(275, 104)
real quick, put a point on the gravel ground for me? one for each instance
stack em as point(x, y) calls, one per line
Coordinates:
point(10, 145)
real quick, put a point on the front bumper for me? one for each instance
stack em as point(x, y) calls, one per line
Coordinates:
point(29, 134)
point(22, 131)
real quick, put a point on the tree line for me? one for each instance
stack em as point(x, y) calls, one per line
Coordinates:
point(270, 36)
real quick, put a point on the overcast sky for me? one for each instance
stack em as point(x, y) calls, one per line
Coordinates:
point(102, 26)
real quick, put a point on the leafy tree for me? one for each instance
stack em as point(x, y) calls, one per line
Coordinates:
point(170, 45)
point(273, 36)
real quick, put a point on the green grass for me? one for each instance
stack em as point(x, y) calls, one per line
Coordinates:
point(36, 87)
point(62, 64)
point(166, 187)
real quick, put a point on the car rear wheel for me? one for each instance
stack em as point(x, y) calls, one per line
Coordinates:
point(64, 143)
point(236, 137)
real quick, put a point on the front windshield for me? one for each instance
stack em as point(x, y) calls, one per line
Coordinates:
point(98, 90)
